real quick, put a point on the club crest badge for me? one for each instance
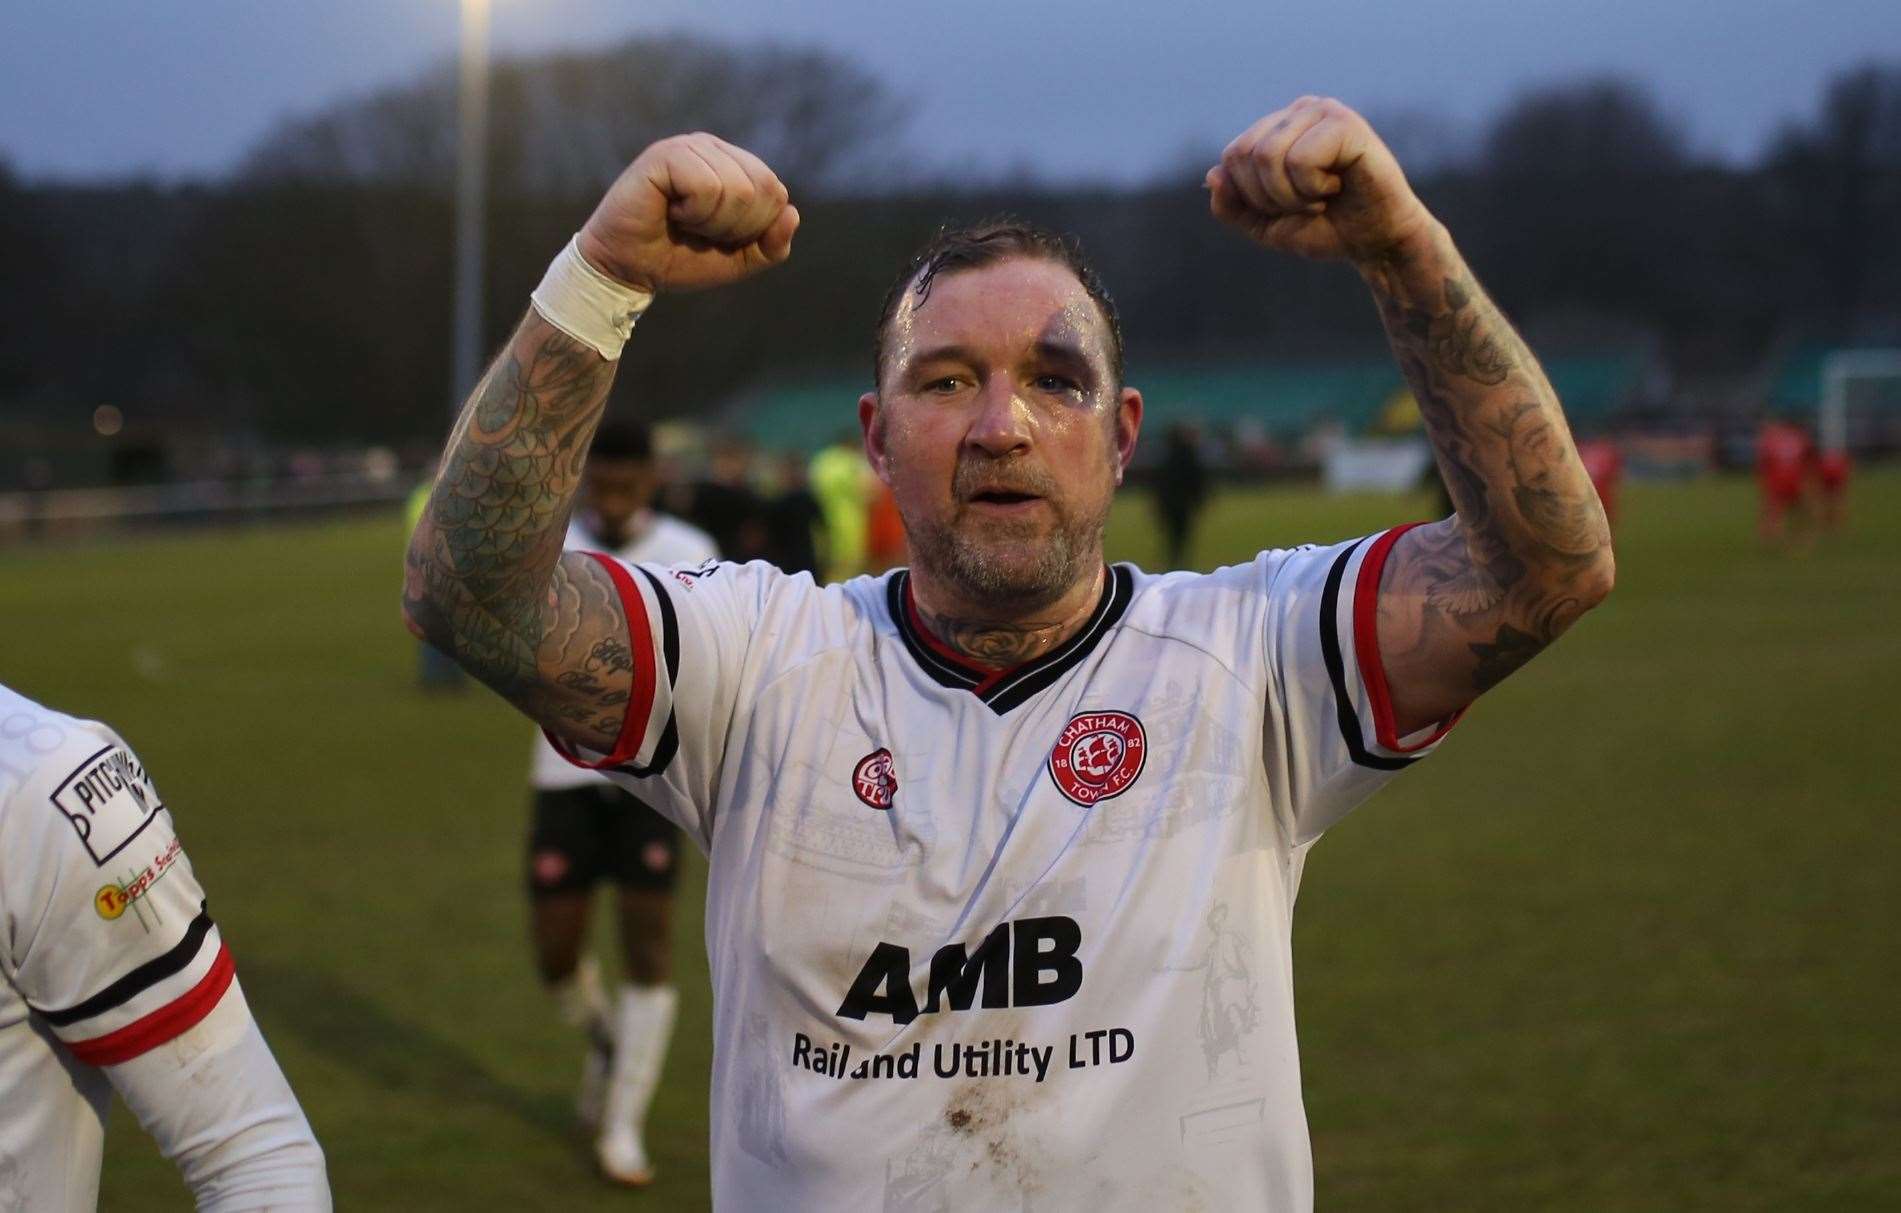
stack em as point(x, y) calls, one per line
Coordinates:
point(1098, 755)
point(876, 779)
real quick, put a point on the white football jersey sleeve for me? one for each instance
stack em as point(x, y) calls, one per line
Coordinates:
point(1008, 938)
point(115, 975)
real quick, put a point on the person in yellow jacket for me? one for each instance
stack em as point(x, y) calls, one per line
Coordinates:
point(842, 480)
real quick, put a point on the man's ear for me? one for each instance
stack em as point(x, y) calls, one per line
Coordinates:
point(1128, 426)
point(871, 424)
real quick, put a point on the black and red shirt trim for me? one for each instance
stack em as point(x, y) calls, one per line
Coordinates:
point(1004, 689)
point(1366, 647)
point(169, 1021)
point(633, 730)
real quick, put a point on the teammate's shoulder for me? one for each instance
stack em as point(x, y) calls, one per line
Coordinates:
point(37, 742)
point(676, 534)
point(71, 778)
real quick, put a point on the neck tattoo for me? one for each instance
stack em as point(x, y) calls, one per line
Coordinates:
point(994, 644)
point(1000, 643)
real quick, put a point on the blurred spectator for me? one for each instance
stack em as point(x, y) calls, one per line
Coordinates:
point(1181, 489)
point(1605, 467)
point(792, 519)
point(1785, 459)
point(884, 532)
point(842, 482)
point(725, 506)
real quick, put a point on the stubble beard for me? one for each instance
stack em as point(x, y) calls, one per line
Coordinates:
point(1006, 568)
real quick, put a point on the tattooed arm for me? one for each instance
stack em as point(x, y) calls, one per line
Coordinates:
point(1466, 601)
point(486, 578)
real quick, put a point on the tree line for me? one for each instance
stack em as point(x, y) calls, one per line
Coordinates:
point(306, 296)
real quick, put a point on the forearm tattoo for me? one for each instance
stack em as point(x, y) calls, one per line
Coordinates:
point(1528, 550)
point(485, 580)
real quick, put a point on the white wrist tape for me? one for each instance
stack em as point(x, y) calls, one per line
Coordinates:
point(587, 305)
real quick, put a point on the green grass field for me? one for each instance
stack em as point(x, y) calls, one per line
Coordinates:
point(1627, 942)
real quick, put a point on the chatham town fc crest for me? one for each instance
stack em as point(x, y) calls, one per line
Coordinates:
point(1098, 755)
point(876, 779)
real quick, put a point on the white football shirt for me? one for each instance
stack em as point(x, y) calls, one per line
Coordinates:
point(1019, 939)
point(107, 956)
point(659, 539)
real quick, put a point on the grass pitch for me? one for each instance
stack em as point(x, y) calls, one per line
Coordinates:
point(1626, 942)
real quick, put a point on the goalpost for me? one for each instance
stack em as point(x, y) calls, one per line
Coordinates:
point(1840, 370)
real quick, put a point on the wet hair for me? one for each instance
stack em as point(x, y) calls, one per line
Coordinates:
point(988, 242)
point(627, 440)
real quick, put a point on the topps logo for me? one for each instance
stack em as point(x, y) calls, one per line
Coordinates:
point(1028, 963)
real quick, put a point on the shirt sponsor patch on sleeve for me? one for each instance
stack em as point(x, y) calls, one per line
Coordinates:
point(108, 799)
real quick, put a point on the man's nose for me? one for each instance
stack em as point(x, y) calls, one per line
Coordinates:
point(1002, 423)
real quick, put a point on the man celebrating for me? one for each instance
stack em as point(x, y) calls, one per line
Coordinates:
point(977, 827)
point(587, 830)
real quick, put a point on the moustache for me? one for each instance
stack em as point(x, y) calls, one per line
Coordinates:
point(981, 476)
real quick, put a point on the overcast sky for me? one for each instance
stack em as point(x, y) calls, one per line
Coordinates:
point(1097, 88)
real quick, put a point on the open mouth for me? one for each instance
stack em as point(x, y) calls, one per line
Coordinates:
point(1003, 497)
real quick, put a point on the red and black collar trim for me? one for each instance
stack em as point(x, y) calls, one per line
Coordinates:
point(1002, 690)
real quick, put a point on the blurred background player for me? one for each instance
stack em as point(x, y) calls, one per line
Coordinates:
point(1831, 477)
point(1181, 488)
point(1605, 466)
point(1785, 459)
point(885, 547)
point(586, 830)
point(843, 483)
point(793, 519)
point(725, 505)
point(115, 978)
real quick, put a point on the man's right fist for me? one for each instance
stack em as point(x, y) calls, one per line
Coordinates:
point(690, 212)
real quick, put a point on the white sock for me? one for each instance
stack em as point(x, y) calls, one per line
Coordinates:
point(642, 1030)
point(580, 997)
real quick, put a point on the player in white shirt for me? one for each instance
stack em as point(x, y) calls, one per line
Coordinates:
point(1004, 847)
point(116, 979)
point(586, 830)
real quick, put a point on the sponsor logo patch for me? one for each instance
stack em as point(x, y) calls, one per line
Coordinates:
point(1098, 755)
point(691, 577)
point(111, 900)
point(108, 800)
point(876, 779)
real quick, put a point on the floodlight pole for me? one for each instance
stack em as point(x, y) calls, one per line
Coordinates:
point(471, 187)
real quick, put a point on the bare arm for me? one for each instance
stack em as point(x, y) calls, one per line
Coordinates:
point(486, 579)
point(1466, 601)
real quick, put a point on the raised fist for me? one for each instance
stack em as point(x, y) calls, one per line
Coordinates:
point(1314, 180)
point(691, 211)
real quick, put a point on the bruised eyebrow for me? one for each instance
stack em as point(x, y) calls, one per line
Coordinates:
point(1065, 353)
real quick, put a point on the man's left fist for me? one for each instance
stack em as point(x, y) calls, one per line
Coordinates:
point(1314, 180)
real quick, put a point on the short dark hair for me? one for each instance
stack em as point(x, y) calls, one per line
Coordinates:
point(987, 242)
point(620, 439)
